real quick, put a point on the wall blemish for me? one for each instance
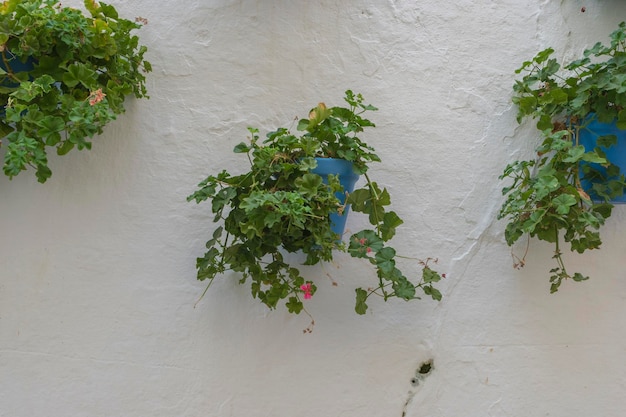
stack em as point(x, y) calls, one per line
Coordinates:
point(423, 370)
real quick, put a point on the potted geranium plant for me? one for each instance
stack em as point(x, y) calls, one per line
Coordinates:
point(283, 204)
point(565, 193)
point(63, 77)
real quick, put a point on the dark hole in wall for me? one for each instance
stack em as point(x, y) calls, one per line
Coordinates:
point(422, 371)
point(425, 368)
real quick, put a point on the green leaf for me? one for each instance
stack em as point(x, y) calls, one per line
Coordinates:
point(429, 275)
point(552, 96)
point(390, 222)
point(574, 154)
point(394, 275)
point(546, 184)
point(294, 305)
point(603, 209)
point(594, 158)
point(303, 124)
point(606, 141)
point(526, 104)
point(108, 10)
point(383, 198)
point(91, 6)
point(317, 116)
point(533, 220)
point(541, 56)
point(621, 119)
point(43, 173)
point(307, 164)
point(308, 184)
point(310, 146)
point(404, 289)
point(563, 203)
point(384, 259)
point(361, 297)
point(242, 148)
point(358, 198)
point(27, 92)
point(65, 147)
point(223, 198)
point(80, 73)
point(433, 292)
point(363, 243)
point(50, 124)
point(545, 122)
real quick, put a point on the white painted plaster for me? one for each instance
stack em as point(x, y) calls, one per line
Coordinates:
point(97, 266)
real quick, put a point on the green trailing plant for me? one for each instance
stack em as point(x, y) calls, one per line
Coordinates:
point(63, 77)
point(279, 206)
point(547, 198)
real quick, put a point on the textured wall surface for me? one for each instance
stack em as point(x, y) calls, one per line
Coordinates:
point(97, 266)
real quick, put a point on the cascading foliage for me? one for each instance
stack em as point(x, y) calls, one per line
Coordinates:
point(279, 206)
point(546, 198)
point(63, 77)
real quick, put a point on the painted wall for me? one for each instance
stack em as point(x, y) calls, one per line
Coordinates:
point(98, 313)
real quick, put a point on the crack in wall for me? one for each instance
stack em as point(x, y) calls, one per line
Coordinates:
point(422, 371)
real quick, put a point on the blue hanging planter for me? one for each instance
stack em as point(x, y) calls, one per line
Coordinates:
point(17, 66)
point(616, 154)
point(347, 178)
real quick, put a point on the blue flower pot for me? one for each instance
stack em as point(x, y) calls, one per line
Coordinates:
point(616, 154)
point(347, 179)
point(17, 66)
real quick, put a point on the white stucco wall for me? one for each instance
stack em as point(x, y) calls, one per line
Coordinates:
point(97, 266)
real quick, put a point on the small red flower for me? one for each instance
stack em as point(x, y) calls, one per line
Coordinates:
point(307, 290)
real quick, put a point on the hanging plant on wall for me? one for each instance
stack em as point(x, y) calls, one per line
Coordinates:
point(63, 77)
point(289, 202)
point(567, 191)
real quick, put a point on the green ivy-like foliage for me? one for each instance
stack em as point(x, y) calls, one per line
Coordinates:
point(81, 69)
point(546, 199)
point(279, 206)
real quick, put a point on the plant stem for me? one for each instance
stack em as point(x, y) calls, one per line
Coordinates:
point(204, 292)
point(374, 206)
point(557, 253)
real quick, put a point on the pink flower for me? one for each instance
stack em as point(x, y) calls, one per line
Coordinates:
point(96, 97)
point(307, 290)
